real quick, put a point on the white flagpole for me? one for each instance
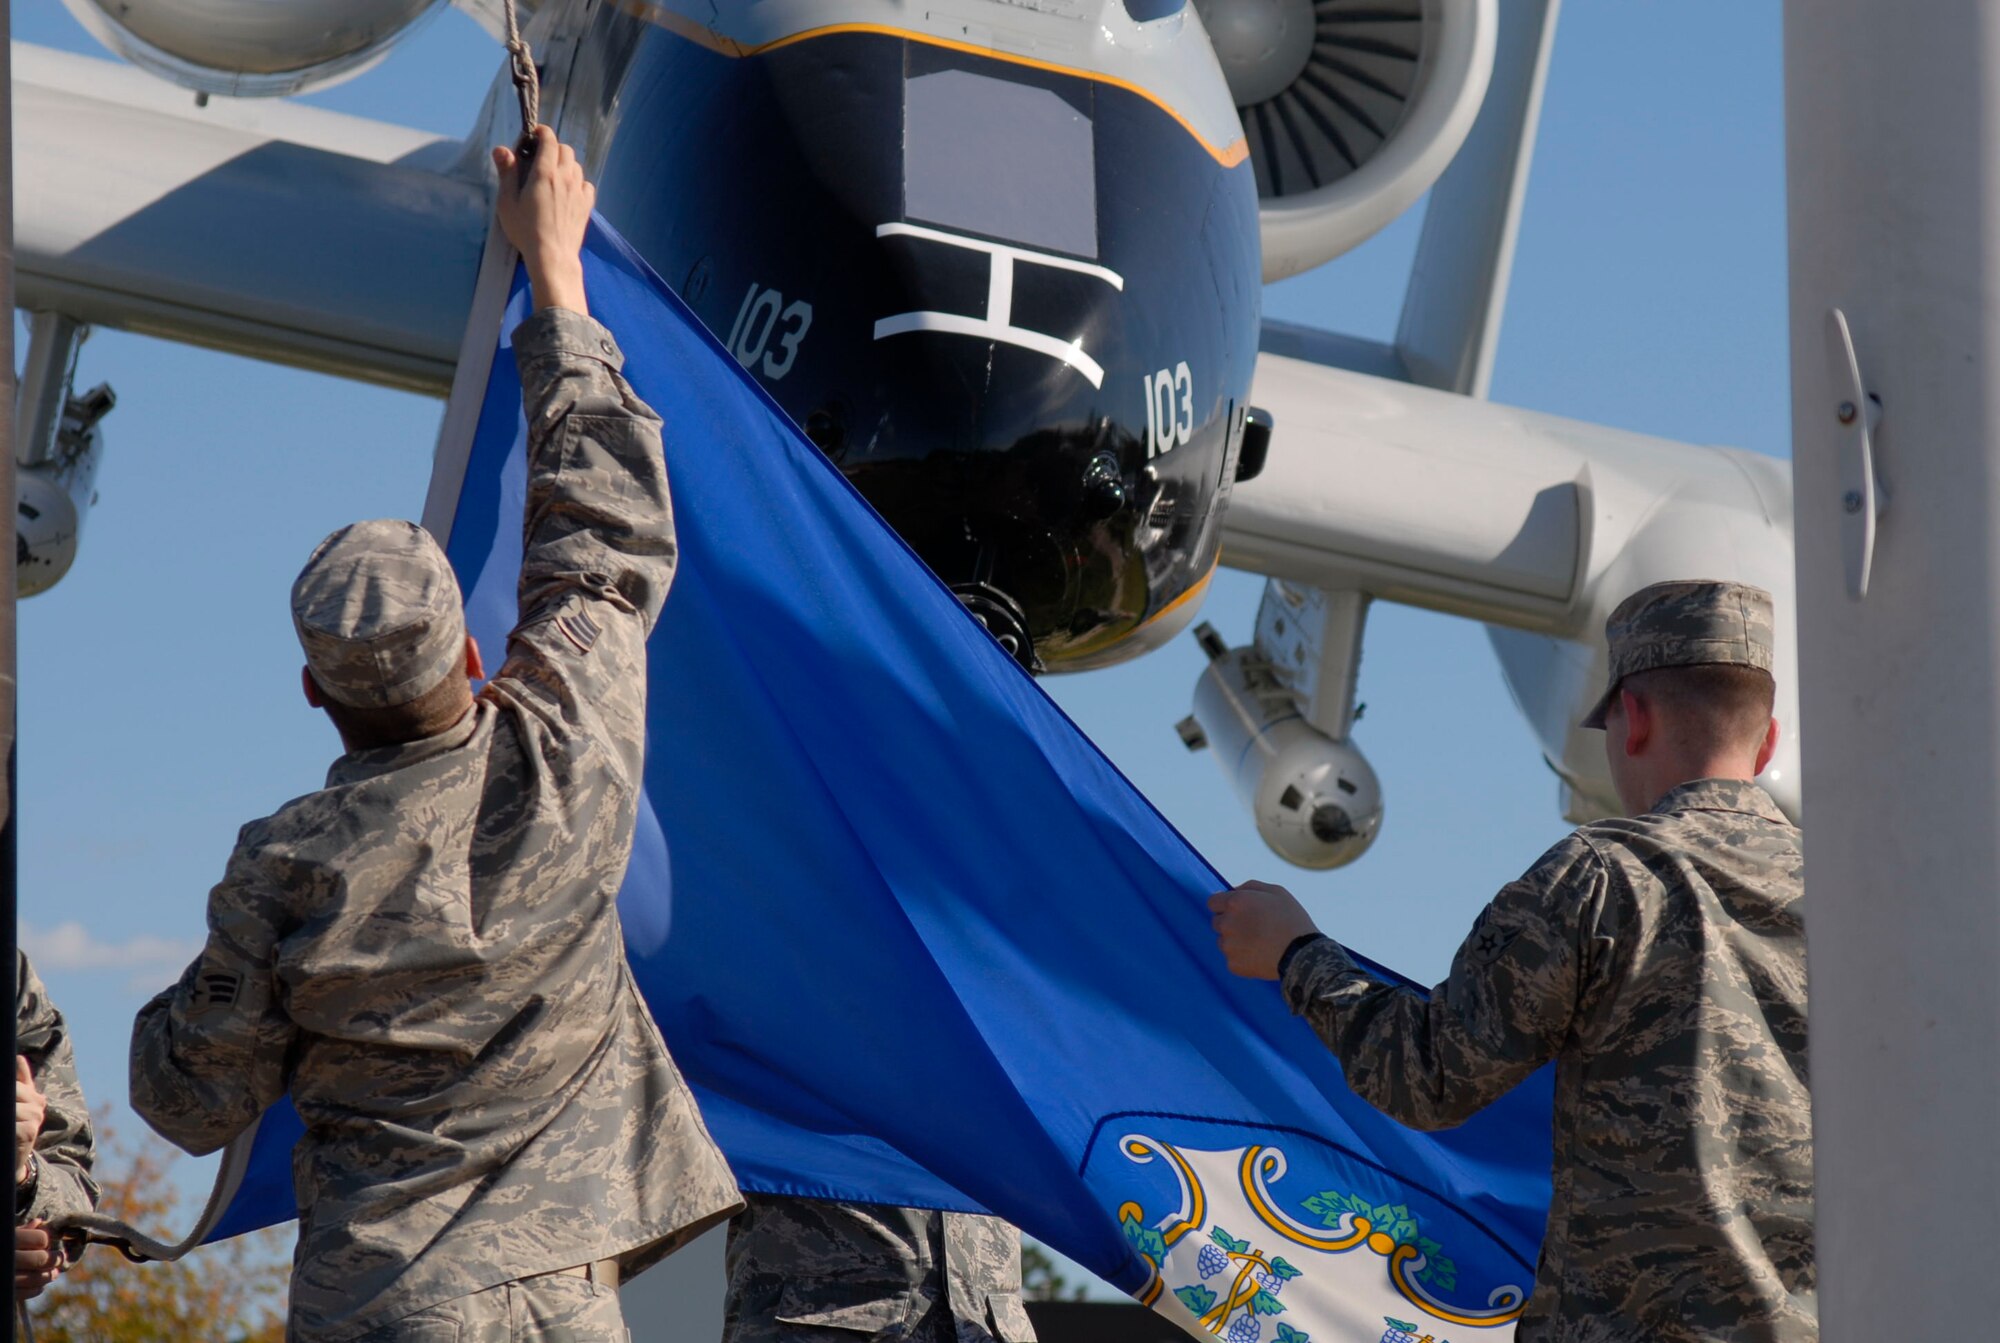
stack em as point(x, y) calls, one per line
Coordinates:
point(1893, 137)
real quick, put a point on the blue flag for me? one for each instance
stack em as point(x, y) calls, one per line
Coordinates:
point(914, 940)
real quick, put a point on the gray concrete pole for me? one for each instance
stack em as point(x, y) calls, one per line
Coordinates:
point(1893, 139)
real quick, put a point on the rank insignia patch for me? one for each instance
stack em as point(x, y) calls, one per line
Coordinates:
point(215, 989)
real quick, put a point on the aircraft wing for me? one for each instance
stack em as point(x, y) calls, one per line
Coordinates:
point(1532, 523)
point(262, 228)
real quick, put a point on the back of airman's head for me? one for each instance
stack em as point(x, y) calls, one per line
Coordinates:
point(1700, 650)
point(378, 613)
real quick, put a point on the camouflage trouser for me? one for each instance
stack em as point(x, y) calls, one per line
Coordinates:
point(937, 1326)
point(551, 1308)
point(816, 1271)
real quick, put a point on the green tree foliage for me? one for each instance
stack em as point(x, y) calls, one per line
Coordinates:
point(1041, 1280)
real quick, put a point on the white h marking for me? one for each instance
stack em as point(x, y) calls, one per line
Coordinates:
point(998, 323)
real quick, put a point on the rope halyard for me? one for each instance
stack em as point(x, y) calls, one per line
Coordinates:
point(103, 1229)
point(527, 81)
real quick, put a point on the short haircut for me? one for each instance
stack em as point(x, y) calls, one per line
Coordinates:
point(1711, 707)
point(425, 716)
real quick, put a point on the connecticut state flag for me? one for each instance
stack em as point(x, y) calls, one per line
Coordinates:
point(914, 940)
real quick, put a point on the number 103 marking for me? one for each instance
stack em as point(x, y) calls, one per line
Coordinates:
point(1169, 409)
point(763, 314)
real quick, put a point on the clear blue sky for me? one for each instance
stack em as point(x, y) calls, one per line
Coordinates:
point(160, 706)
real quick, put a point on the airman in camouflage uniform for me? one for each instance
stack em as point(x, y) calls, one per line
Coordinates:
point(426, 953)
point(812, 1271)
point(57, 1179)
point(1660, 961)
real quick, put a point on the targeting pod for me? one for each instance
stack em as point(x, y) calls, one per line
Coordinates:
point(1316, 801)
point(60, 439)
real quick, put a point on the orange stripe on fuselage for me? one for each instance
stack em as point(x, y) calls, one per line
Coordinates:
point(1228, 155)
point(1192, 594)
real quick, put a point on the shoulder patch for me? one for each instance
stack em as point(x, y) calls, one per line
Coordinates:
point(214, 989)
point(1490, 938)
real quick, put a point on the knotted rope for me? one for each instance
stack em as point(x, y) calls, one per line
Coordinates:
point(527, 81)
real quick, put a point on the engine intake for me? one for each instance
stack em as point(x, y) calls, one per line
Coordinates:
point(1351, 108)
point(251, 48)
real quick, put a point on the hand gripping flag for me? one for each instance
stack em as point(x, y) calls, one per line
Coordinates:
point(913, 940)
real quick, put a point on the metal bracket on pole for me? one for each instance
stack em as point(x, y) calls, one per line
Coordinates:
point(1859, 414)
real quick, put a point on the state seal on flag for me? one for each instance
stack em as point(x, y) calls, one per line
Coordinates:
point(1281, 1238)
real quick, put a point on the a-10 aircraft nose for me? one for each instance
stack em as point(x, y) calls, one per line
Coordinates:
point(1015, 303)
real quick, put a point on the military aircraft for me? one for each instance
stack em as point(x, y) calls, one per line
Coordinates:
point(1002, 261)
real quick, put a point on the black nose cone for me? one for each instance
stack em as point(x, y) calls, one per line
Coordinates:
point(1003, 618)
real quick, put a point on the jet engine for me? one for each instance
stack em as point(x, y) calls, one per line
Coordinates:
point(251, 48)
point(1351, 108)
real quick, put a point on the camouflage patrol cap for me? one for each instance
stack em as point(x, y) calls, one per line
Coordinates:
point(1685, 623)
point(378, 612)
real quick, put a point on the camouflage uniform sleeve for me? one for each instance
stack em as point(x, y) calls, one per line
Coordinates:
point(65, 1148)
point(599, 548)
point(1506, 1009)
point(211, 1053)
